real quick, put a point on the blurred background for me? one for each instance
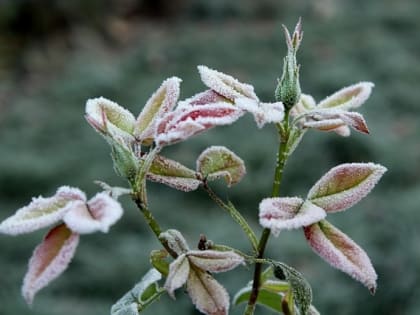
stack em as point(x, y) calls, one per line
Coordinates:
point(56, 54)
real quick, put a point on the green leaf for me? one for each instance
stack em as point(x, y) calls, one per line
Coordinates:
point(158, 260)
point(302, 292)
point(219, 162)
point(141, 296)
point(266, 298)
point(173, 174)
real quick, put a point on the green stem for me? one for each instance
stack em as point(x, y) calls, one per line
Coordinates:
point(282, 156)
point(148, 216)
point(235, 214)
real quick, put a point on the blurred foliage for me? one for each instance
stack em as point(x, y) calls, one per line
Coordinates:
point(57, 54)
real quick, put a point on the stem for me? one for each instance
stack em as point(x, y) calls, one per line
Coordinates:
point(278, 175)
point(235, 214)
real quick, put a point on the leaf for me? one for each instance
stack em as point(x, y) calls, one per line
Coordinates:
point(140, 296)
point(203, 98)
point(42, 212)
point(175, 241)
point(158, 260)
point(160, 103)
point(98, 214)
point(266, 298)
point(173, 174)
point(263, 112)
point(217, 161)
point(356, 121)
point(288, 213)
point(215, 261)
point(178, 274)
point(301, 289)
point(345, 185)
point(349, 97)
point(306, 103)
point(109, 118)
point(341, 252)
point(225, 85)
point(209, 296)
point(185, 122)
point(49, 260)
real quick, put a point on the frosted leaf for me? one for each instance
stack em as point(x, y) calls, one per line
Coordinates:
point(219, 162)
point(341, 252)
point(215, 261)
point(355, 120)
point(349, 97)
point(306, 103)
point(345, 185)
point(129, 303)
point(188, 121)
point(160, 103)
point(209, 296)
point(42, 212)
point(109, 118)
point(263, 112)
point(173, 174)
point(203, 98)
point(49, 260)
point(225, 85)
point(343, 131)
point(288, 213)
point(333, 120)
point(175, 241)
point(98, 214)
point(179, 270)
point(325, 125)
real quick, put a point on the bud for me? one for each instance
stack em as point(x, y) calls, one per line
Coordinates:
point(288, 89)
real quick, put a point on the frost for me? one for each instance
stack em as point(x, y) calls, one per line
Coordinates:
point(263, 112)
point(341, 252)
point(215, 261)
point(179, 270)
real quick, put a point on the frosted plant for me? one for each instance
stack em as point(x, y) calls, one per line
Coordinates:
point(136, 148)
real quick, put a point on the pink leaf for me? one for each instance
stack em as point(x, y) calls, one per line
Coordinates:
point(49, 260)
point(208, 295)
point(288, 213)
point(179, 270)
point(355, 120)
point(345, 185)
point(214, 261)
point(341, 252)
point(97, 215)
point(42, 212)
point(160, 103)
point(225, 85)
point(349, 97)
point(188, 121)
point(203, 98)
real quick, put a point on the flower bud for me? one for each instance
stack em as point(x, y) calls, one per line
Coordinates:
point(288, 89)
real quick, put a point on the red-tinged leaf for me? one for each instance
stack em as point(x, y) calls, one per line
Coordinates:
point(188, 121)
point(160, 103)
point(173, 174)
point(215, 261)
point(49, 260)
point(110, 118)
point(356, 121)
point(288, 213)
point(203, 98)
point(179, 270)
point(219, 162)
point(208, 295)
point(263, 112)
point(325, 125)
point(225, 85)
point(98, 214)
point(349, 97)
point(42, 212)
point(341, 252)
point(345, 185)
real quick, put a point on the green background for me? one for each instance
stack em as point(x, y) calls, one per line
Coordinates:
point(54, 55)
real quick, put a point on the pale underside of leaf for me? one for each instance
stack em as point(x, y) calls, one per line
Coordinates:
point(175, 241)
point(179, 270)
point(341, 252)
point(345, 185)
point(49, 260)
point(219, 162)
point(209, 296)
point(215, 261)
point(225, 85)
point(288, 213)
point(160, 103)
point(263, 112)
point(99, 214)
point(306, 103)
